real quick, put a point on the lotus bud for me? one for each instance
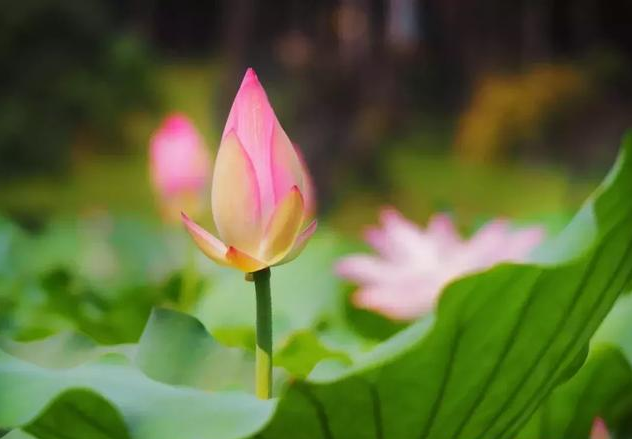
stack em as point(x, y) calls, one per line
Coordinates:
point(599, 430)
point(262, 196)
point(180, 166)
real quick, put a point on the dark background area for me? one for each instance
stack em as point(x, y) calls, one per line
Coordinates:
point(480, 81)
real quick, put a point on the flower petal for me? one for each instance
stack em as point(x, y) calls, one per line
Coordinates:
point(400, 239)
point(300, 243)
point(284, 227)
point(252, 119)
point(309, 190)
point(442, 230)
point(251, 115)
point(288, 169)
point(394, 306)
point(235, 197)
point(363, 269)
point(413, 265)
point(209, 244)
point(243, 261)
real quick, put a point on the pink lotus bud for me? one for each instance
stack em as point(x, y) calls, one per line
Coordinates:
point(179, 165)
point(262, 196)
point(599, 430)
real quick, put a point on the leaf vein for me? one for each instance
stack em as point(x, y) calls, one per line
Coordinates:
point(550, 382)
point(504, 353)
point(319, 408)
point(444, 382)
point(561, 323)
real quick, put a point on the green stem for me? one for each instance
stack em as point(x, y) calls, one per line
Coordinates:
point(189, 280)
point(263, 356)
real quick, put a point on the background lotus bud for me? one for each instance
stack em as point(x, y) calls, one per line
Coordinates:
point(599, 430)
point(262, 196)
point(180, 166)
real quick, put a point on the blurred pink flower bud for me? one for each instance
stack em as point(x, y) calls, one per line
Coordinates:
point(180, 165)
point(413, 265)
point(599, 430)
point(262, 196)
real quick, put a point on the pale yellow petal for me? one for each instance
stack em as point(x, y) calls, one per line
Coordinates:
point(209, 244)
point(243, 261)
point(284, 227)
point(300, 243)
point(235, 197)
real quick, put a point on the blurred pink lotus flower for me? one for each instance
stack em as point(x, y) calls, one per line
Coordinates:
point(404, 280)
point(180, 166)
point(599, 430)
point(262, 196)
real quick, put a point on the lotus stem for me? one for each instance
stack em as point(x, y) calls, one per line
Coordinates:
point(263, 355)
point(189, 280)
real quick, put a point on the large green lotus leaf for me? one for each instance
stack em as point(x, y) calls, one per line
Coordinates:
point(173, 348)
point(617, 327)
point(602, 388)
point(34, 399)
point(63, 350)
point(77, 408)
point(500, 343)
point(17, 434)
point(176, 349)
point(303, 350)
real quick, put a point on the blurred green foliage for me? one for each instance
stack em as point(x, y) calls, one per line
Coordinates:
point(420, 180)
point(100, 181)
point(97, 275)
